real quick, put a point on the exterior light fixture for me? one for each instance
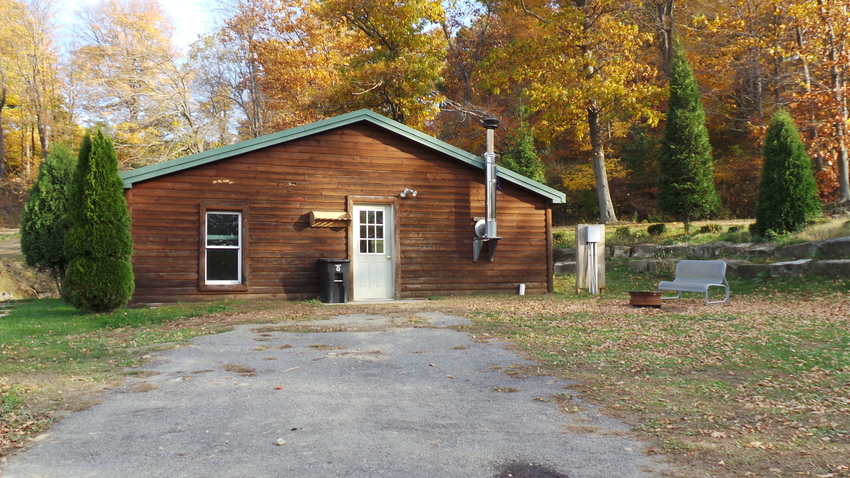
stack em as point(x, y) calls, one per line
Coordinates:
point(407, 192)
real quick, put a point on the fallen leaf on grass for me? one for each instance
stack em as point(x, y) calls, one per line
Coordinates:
point(759, 445)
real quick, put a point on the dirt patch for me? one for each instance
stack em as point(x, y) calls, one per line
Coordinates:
point(326, 347)
point(368, 356)
point(10, 241)
point(242, 370)
point(142, 387)
point(17, 281)
point(527, 470)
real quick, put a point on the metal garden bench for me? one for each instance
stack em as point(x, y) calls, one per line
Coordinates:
point(698, 276)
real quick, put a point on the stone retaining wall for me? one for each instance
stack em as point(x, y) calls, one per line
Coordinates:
point(829, 258)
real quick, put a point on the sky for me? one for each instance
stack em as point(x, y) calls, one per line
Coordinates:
point(190, 17)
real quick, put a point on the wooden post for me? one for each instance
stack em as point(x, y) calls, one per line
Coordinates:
point(582, 261)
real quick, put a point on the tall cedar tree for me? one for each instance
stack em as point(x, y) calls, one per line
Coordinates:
point(686, 172)
point(521, 155)
point(45, 218)
point(98, 245)
point(788, 193)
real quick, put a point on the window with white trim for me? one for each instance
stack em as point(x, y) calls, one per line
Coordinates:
point(223, 244)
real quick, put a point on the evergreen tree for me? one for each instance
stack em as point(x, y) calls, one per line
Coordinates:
point(521, 156)
point(98, 245)
point(788, 194)
point(686, 172)
point(45, 217)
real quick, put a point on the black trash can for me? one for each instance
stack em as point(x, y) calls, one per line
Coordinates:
point(333, 277)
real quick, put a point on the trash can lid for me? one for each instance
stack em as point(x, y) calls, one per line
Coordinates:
point(334, 260)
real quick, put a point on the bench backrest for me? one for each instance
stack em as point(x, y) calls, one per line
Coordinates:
point(702, 271)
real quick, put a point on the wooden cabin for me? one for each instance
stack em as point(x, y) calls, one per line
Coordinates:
point(253, 219)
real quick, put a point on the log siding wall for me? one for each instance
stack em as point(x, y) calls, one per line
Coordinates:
point(277, 187)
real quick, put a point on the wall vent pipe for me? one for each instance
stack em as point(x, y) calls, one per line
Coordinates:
point(485, 230)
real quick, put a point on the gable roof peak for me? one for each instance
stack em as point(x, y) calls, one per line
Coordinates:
point(199, 159)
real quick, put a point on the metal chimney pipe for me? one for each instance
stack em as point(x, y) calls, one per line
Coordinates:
point(490, 178)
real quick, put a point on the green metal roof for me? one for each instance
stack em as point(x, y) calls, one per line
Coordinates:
point(175, 165)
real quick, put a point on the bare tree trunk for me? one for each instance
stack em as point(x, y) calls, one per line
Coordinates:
point(663, 14)
point(603, 192)
point(839, 82)
point(3, 174)
point(811, 126)
point(38, 27)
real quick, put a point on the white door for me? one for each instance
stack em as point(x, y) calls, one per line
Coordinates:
point(373, 252)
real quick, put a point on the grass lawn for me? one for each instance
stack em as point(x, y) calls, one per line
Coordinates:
point(757, 388)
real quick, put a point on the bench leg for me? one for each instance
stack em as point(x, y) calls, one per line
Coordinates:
point(677, 296)
point(725, 298)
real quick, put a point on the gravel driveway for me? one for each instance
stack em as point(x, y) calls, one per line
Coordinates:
point(354, 396)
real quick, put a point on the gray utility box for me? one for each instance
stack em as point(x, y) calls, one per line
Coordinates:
point(333, 277)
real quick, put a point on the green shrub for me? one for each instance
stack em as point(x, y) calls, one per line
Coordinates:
point(657, 229)
point(45, 222)
point(559, 237)
point(521, 155)
point(710, 229)
point(623, 231)
point(788, 195)
point(99, 284)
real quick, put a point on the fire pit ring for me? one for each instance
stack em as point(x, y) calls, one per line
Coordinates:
point(645, 299)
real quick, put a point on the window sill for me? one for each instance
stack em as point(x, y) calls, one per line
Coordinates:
point(223, 288)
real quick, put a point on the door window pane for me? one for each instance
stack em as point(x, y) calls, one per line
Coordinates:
point(371, 231)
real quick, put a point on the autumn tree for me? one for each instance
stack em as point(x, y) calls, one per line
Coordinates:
point(399, 60)
point(583, 73)
point(661, 12)
point(98, 244)
point(8, 33)
point(39, 69)
point(742, 52)
point(45, 218)
point(823, 28)
point(474, 33)
point(686, 175)
point(215, 89)
point(245, 26)
point(126, 66)
point(302, 57)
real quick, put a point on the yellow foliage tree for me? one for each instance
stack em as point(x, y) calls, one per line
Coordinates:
point(396, 59)
point(583, 73)
point(128, 78)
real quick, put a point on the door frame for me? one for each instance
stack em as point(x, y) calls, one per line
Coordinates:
point(352, 234)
